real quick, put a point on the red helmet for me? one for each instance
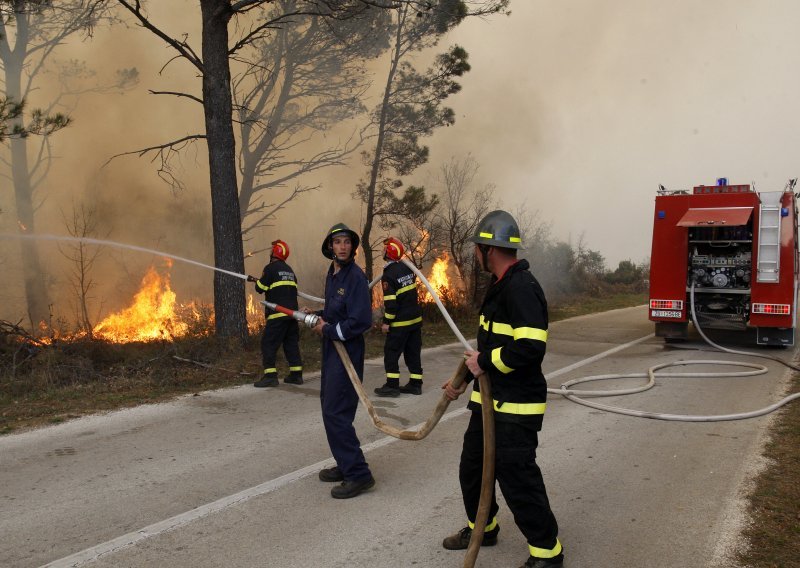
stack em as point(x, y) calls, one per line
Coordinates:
point(394, 249)
point(280, 250)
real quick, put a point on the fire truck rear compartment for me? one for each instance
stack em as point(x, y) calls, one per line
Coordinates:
point(719, 266)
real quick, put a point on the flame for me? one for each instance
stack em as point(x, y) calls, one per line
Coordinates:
point(438, 279)
point(150, 317)
point(22, 226)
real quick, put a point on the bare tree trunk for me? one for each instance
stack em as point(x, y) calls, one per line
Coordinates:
point(38, 299)
point(229, 296)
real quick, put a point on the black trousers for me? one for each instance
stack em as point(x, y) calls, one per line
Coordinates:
point(519, 477)
point(406, 342)
point(277, 332)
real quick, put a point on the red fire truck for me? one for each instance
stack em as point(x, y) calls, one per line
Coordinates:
point(737, 248)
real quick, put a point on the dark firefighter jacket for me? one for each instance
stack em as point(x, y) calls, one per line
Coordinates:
point(347, 313)
point(279, 286)
point(512, 339)
point(400, 304)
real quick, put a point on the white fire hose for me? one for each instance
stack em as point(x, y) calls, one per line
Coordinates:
point(575, 395)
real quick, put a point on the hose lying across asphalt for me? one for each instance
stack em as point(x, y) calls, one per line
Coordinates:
point(576, 395)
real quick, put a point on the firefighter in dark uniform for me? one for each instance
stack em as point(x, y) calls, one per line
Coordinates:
point(512, 337)
point(347, 315)
point(278, 283)
point(402, 323)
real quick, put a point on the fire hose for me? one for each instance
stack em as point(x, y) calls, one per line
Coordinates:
point(576, 395)
point(487, 409)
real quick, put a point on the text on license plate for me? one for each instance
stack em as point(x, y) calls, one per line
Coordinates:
point(665, 314)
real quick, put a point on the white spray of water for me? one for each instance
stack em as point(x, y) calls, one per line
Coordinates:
point(86, 240)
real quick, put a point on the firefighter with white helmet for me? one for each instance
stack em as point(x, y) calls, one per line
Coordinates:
point(512, 337)
point(402, 323)
point(278, 283)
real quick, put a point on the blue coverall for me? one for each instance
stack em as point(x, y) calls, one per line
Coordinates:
point(348, 314)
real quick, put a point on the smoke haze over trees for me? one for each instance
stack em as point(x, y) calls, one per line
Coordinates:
point(577, 110)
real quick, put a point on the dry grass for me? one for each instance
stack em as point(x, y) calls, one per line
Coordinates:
point(773, 539)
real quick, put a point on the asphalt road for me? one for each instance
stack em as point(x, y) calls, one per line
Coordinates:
point(228, 478)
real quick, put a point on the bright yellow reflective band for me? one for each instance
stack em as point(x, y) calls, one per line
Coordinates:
point(524, 408)
point(272, 370)
point(283, 283)
point(514, 240)
point(406, 289)
point(389, 316)
point(544, 552)
point(489, 526)
point(295, 368)
point(276, 315)
point(414, 376)
point(260, 285)
point(515, 332)
point(486, 235)
point(390, 297)
point(392, 375)
point(498, 362)
point(530, 333)
point(407, 322)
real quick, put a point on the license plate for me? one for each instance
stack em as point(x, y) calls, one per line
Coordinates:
point(665, 314)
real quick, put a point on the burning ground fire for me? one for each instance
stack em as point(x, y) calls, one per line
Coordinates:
point(155, 314)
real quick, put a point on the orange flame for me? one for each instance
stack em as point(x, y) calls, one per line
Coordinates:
point(439, 279)
point(150, 317)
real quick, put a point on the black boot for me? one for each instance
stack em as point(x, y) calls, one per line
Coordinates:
point(555, 562)
point(293, 379)
point(332, 474)
point(267, 381)
point(412, 387)
point(388, 390)
point(460, 540)
point(351, 488)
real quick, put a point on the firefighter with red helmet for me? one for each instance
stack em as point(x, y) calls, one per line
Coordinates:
point(512, 337)
point(402, 323)
point(278, 283)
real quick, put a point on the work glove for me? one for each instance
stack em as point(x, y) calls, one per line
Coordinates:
point(252, 278)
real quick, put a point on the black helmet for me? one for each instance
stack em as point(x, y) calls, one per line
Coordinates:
point(327, 250)
point(498, 229)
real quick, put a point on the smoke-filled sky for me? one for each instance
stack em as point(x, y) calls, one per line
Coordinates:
point(578, 108)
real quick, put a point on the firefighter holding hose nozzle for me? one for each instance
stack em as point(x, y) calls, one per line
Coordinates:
point(347, 315)
point(278, 283)
point(512, 337)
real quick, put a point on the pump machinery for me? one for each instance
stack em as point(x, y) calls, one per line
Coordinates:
point(734, 252)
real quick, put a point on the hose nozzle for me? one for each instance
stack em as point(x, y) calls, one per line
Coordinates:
point(310, 320)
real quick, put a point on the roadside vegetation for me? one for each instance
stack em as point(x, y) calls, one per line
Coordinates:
point(772, 539)
point(46, 383)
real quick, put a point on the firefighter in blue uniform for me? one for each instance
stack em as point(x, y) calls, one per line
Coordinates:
point(278, 283)
point(512, 337)
point(402, 323)
point(347, 315)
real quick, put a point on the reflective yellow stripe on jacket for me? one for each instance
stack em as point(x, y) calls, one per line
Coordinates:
point(276, 284)
point(403, 323)
point(525, 408)
point(515, 332)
